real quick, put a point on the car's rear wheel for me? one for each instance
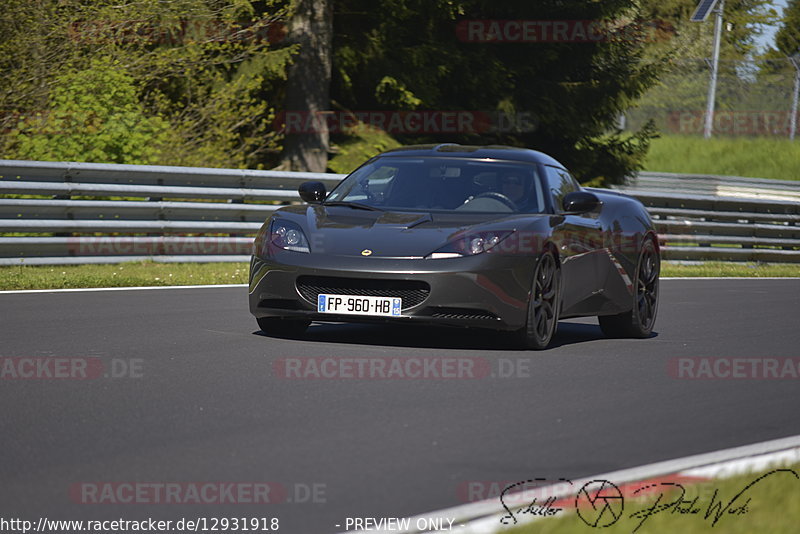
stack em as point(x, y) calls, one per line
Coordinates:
point(640, 320)
point(543, 307)
point(283, 327)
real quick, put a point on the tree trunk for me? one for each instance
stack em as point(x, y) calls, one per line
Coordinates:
point(308, 86)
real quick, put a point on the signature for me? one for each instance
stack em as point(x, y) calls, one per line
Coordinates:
point(714, 511)
point(600, 503)
point(535, 507)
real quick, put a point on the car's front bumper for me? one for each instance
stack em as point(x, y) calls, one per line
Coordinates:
point(486, 290)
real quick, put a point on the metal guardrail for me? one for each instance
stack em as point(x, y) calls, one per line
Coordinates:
point(104, 213)
point(62, 213)
point(723, 186)
point(704, 227)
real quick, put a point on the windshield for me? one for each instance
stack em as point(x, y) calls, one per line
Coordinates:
point(444, 184)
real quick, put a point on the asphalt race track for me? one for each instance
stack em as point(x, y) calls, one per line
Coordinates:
point(198, 400)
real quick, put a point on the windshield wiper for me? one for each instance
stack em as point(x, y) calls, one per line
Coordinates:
point(354, 205)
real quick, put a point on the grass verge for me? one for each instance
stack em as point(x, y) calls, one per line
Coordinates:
point(121, 275)
point(721, 268)
point(187, 274)
point(758, 157)
point(774, 507)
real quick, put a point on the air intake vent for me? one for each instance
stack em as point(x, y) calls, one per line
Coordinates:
point(461, 314)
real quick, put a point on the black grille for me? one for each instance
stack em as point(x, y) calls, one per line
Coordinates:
point(413, 292)
point(460, 313)
point(280, 304)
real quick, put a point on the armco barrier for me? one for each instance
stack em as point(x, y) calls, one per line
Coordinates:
point(63, 213)
point(704, 227)
point(66, 213)
point(723, 186)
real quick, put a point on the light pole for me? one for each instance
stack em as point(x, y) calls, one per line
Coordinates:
point(712, 86)
point(795, 60)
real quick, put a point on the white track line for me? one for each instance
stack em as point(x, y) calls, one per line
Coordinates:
point(741, 466)
point(142, 288)
point(138, 288)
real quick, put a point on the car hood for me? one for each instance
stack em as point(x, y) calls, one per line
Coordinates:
point(341, 230)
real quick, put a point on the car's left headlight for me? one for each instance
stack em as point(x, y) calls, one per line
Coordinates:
point(470, 245)
point(284, 235)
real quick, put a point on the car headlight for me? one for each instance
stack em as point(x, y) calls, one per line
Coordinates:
point(470, 245)
point(283, 235)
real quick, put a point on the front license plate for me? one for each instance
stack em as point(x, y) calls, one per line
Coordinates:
point(359, 305)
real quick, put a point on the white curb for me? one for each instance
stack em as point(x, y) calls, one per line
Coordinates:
point(483, 517)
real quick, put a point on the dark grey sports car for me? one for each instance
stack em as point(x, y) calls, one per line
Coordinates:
point(493, 237)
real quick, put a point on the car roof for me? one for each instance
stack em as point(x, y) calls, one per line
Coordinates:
point(453, 150)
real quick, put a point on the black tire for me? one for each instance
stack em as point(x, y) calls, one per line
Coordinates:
point(543, 306)
point(283, 327)
point(638, 322)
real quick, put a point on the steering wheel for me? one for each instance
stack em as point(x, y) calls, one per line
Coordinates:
point(499, 197)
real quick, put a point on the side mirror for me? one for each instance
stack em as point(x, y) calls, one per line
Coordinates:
point(580, 202)
point(312, 192)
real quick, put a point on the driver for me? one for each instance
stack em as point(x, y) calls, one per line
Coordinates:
point(512, 185)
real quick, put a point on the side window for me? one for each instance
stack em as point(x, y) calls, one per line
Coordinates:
point(559, 183)
point(574, 185)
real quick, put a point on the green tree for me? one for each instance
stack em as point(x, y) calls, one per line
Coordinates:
point(787, 40)
point(93, 115)
point(406, 54)
point(208, 68)
point(744, 22)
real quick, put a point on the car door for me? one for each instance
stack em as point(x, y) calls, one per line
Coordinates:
point(579, 238)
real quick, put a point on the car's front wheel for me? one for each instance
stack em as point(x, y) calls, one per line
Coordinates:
point(640, 320)
point(543, 307)
point(283, 327)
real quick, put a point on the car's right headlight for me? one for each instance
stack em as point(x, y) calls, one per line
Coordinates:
point(284, 235)
point(470, 245)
